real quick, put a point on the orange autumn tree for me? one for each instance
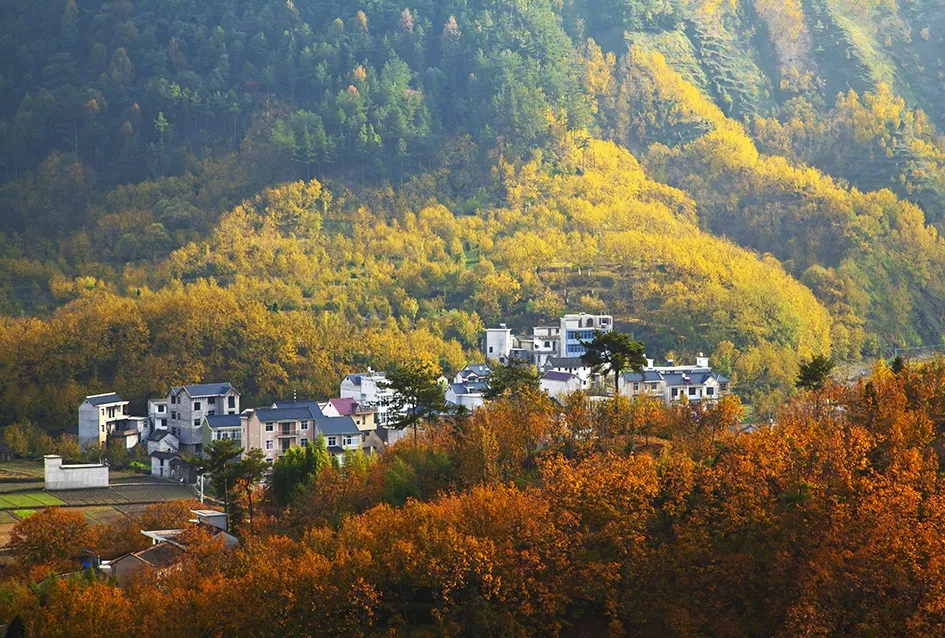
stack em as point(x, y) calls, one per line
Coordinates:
point(53, 537)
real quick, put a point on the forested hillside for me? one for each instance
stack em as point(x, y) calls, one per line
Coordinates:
point(277, 192)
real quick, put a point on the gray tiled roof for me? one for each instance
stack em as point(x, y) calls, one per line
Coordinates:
point(336, 425)
point(313, 406)
point(559, 376)
point(157, 435)
point(104, 399)
point(357, 376)
point(285, 414)
point(223, 420)
point(207, 389)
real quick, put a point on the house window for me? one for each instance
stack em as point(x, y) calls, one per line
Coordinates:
point(304, 425)
point(723, 387)
point(268, 445)
point(161, 409)
point(675, 392)
point(163, 423)
point(490, 349)
point(196, 423)
point(268, 459)
point(303, 442)
point(124, 409)
point(710, 392)
point(332, 441)
point(350, 440)
point(231, 402)
point(636, 387)
point(211, 412)
point(692, 392)
point(212, 401)
point(269, 427)
point(196, 405)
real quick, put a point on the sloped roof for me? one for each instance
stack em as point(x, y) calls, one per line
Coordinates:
point(347, 405)
point(206, 389)
point(477, 369)
point(104, 399)
point(559, 376)
point(165, 455)
point(356, 377)
point(311, 405)
point(223, 421)
point(160, 555)
point(157, 435)
point(336, 425)
point(565, 362)
point(675, 379)
point(284, 414)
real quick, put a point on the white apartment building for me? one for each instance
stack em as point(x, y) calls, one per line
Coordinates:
point(370, 391)
point(543, 343)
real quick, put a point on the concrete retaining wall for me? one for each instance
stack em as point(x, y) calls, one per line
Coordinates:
point(73, 477)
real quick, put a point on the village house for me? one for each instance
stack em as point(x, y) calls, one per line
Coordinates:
point(189, 404)
point(543, 343)
point(219, 427)
point(99, 416)
point(675, 383)
point(369, 389)
point(466, 390)
point(162, 441)
point(557, 384)
point(287, 424)
point(157, 413)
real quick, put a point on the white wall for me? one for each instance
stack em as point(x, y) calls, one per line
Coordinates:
point(73, 477)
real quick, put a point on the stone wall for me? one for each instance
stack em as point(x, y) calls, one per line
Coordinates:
point(73, 477)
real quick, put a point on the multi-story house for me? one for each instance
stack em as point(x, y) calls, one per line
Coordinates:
point(675, 383)
point(543, 343)
point(99, 416)
point(158, 413)
point(189, 404)
point(467, 388)
point(556, 384)
point(217, 427)
point(277, 429)
point(370, 390)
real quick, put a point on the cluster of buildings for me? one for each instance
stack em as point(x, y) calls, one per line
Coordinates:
point(192, 416)
point(556, 351)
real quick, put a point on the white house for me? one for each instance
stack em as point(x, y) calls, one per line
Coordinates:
point(99, 415)
point(572, 365)
point(163, 441)
point(542, 343)
point(556, 384)
point(158, 413)
point(369, 390)
point(674, 383)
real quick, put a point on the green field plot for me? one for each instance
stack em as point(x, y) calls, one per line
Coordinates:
point(29, 499)
point(24, 513)
point(46, 499)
